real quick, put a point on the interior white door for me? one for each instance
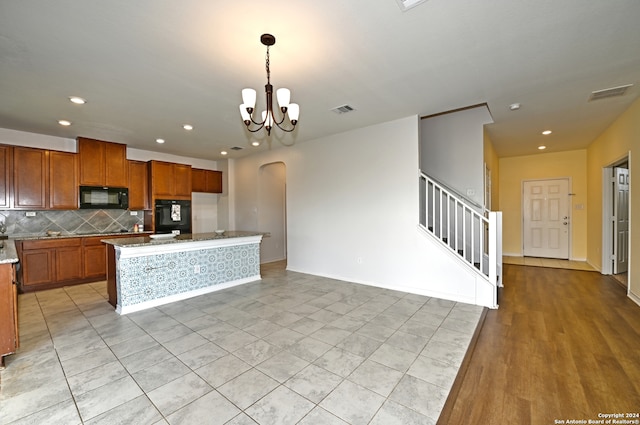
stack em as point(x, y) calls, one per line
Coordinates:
point(546, 220)
point(621, 220)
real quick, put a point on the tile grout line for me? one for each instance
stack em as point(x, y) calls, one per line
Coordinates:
point(348, 377)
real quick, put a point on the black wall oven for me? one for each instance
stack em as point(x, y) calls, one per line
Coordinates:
point(172, 215)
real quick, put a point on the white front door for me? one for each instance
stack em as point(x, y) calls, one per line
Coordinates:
point(621, 220)
point(546, 218)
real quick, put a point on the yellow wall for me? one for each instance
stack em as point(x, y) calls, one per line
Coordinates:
point(514, 170)
point(622, 137)
point(492, 161)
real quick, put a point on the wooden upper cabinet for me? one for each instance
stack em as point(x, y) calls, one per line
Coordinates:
point(5, 176)
point(117, 168)
point(43, 179)
point(214, 182)
point(92, 162)
point(169, 180)
point(31, 178)
point(102, 163)
point(162, 179)
point(63, 180)
point(198, 180)
point(138, 185)
point(182, 174)
point(207, 181)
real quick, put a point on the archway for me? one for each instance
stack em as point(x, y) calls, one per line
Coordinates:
point(272, 211)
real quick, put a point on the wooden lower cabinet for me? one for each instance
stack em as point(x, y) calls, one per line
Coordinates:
point(37, 268)
point(53, 263)
point(50, 263)
point(68, 263)
point(112, 290)
point(94, 258)
point(9, 341)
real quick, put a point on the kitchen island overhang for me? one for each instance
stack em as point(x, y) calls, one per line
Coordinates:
point(143, 272)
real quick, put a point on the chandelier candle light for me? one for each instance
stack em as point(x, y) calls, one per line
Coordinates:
point(283, 95)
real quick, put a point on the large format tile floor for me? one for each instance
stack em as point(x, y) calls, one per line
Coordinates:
point(292, 348)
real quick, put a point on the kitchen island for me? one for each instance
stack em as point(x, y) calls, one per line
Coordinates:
point(148, 271)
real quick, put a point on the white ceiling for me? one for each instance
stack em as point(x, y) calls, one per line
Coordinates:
point(147, 67)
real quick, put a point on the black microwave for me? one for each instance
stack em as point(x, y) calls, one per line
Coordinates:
point(99, 197)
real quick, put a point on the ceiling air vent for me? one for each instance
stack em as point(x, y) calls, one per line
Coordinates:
point(408, 4)
point(343, 109)
point(612, 92)
point(236, 148)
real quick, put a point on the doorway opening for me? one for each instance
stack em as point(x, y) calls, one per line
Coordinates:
point(616, 220)
point(272, 212)
point(546, 216)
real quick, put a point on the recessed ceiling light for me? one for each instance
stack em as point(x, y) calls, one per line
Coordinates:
point(542, 147)
point(187, 127)
point(64, 122)
point(77, 100)
point(255, 143)
point(161, 141)
point(547, 132)
point(514, 106)
point(223, 153)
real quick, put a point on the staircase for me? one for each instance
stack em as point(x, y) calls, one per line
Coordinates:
point(468, 231)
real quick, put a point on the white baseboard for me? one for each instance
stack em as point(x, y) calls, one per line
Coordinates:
point(634, 297)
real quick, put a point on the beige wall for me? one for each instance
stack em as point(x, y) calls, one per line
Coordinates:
point(492, 161)
point(514, 170)
point(622, 137)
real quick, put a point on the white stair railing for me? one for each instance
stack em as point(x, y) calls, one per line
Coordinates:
point(457, 223)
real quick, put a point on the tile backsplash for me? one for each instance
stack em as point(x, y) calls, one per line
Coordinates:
point(20, 223)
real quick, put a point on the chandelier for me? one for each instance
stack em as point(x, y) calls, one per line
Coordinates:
point(268, 117)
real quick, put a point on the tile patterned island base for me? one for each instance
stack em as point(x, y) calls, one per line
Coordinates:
point(145, 272)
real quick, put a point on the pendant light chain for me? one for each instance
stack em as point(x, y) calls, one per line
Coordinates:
point(267, 67)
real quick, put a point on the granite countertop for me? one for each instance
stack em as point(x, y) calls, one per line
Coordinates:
point(8, 252)
point(187, 237)
point(77, 235)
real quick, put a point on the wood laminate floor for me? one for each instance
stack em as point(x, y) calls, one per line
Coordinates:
point(564, 345)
